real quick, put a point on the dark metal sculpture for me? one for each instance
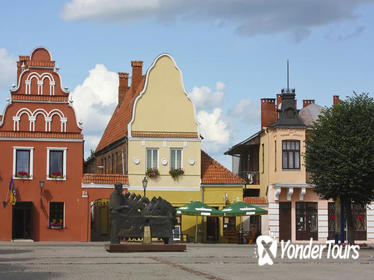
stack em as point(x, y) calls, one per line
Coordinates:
point(130, 213)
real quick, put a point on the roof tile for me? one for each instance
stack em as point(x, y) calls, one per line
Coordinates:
point(117, 126)
point(105, 178)
point(214, 173)
point(255, 200)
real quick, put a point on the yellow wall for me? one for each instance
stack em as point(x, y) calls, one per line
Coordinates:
point(264, 163)
point(191, 151)
point(273, 172)
point(164, 106)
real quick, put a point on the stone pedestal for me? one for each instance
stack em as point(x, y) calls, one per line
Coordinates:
point(127, 248)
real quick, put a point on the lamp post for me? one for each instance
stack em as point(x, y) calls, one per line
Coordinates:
point(145, 182)
point(41, 186)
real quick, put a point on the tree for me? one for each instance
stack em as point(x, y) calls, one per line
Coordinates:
point(340, 154)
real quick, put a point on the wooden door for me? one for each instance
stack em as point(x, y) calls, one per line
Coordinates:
point(285, 221)
point(22, 220)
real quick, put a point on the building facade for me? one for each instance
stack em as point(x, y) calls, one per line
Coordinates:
point(296, 212)
point(153, 132)
point(42, 155)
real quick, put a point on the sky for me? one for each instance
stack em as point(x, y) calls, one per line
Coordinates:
point(231, 53)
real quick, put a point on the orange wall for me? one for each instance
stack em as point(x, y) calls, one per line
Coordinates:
point(68, 191)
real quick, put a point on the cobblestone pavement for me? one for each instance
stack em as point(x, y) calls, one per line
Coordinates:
point(47, 260)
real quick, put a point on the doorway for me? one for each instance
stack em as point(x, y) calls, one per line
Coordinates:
point(100, 220)
point(285, 221)
point(212, 229)
point(22, 220)
point(306, 220)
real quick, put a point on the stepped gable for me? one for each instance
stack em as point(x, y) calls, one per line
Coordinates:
point(39, 107)
point(38, 78)
point(213, 172)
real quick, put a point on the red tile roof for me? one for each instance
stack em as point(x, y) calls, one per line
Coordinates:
point(105, 178)
point(255, 200)
point(214, 173)
point(117, 126)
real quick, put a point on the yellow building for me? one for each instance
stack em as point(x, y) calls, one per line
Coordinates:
point(153, 132)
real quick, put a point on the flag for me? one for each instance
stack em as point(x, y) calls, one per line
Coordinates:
point(13, 194)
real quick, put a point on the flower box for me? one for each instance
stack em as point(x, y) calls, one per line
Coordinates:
point(175, 173)
point(55, 225)
point(152, 173)
point(56, 175)
point(23, 174)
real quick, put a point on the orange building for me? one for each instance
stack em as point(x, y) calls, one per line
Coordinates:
point(41, 147)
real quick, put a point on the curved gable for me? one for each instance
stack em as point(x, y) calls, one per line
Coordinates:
point(163, 106)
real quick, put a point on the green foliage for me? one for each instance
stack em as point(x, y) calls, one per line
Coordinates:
point(91, 156)
point(340, 151)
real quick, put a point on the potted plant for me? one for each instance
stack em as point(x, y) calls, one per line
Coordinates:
point(152, 173)
point(175, 173)
point(23, 174)
point(56, 225)
point(56, 175)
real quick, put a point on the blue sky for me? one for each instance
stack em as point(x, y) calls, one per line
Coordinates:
point(231, 53)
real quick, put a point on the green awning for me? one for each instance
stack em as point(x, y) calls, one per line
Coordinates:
point(241, 208)
point(197, 208)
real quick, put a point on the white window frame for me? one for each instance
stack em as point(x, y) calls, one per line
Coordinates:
point(158, 155)
point(49, 213)
point(63, 149)
point(31, 167)
point(175, 163)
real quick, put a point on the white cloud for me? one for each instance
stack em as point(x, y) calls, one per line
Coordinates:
point(250, 17)
point(7, 68)
point(90, 143)
point(246, 111)
point(204, 98)
point(95, 100)
point(214, 129)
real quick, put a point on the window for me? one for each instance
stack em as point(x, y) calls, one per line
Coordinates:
point(263, 158)
point(152, 158)
point(56, 215)
point(56, 163)
point(175, 158)
point(23, 162)
point(291, 154)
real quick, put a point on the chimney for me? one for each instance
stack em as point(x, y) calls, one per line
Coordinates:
point(123, 86)
point(335, 100)
point(136, 74)
point(279, 99)
point(307, 102)
point(22, 64)
point(269, 114)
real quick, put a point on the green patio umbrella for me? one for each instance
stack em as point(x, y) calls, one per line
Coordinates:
point(197, 208)
point(241, 208)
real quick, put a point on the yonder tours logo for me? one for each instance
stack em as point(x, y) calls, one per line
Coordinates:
point(267, 248)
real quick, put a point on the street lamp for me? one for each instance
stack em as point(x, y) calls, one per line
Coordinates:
point(41, 185)
point(145, 182)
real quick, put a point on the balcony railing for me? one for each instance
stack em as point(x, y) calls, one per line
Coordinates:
point(251, 177)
